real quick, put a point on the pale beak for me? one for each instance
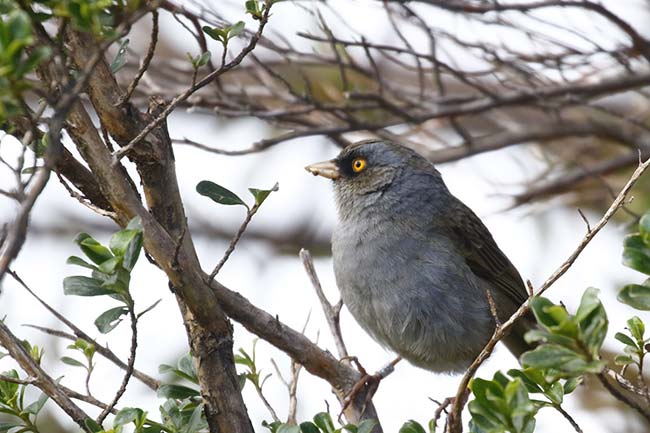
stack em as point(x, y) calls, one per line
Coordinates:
point(327, 169)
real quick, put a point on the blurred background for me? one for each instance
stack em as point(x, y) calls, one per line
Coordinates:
point(428, 74)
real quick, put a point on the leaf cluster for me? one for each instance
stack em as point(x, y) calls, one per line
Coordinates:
point(321, 423)
point(111, 268)
point(19, 56)
point(19, 416)
point(568, 348)
point(221, 195)
point(636, 255)
point(224, 35)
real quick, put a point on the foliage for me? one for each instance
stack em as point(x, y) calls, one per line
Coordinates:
point(18, 415)
point(321, 423)
point(19, 56)
point(221, 195)
point(568, 349)
point(111, 271)
point(225, 34)
point(636, 255)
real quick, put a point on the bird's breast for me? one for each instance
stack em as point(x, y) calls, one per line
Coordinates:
point(411, 292)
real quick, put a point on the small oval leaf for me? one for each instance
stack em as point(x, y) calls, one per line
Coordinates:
point(218, 193)
point(109, 319)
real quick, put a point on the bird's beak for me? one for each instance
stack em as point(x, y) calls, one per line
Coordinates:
point(326, 169)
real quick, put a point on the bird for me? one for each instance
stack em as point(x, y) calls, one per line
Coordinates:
point(416, 267)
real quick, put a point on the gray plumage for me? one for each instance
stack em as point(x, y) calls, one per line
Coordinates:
point(413, 263)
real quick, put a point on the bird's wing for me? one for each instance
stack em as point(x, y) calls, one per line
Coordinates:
point(483, 256)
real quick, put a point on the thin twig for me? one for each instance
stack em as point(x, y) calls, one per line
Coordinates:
point(569, 418)
point(26, 381)
point(119, 154)
point(147, 59)
point(129, 366)
point(331, 313)
point(233, 243)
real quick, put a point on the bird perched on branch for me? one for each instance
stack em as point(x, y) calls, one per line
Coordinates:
point(416, 267)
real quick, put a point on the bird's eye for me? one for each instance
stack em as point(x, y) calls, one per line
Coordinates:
point(358, 165)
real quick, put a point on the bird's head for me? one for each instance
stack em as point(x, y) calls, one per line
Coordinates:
point(372, 170)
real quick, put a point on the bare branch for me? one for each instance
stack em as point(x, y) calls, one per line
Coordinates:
point(331, 313)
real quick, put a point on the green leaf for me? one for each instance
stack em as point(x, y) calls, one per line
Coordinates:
point(84, 286)
point(273, 427)
point(636, 253)
point(236, 29)
point(93, 249)
point(252, 7)
point(555, 393)
point(120, 58)
point(644, 228)
point(36, 406)
point(93, 426)
point(261, 194)
point(109, 319)
point(74, 260)
point(8, 389)
point(625, 339)
point(196, 422)
point(623, 360)
point(636, 296)
point(120, 241)
point(7, 426)
point(588, 303)
point(309, 427)
point(203, 59)
point(109, 266)
point(549, 356)
point(571, 384)
point(538, 335)
point(127, 415)
point(532, 378)
point(411, 426)
point(288, 428)
point(186, 365)
point(218, 193)
point(177, 392)
point(324, 422)
point(547, 313)
point(127, 243)
point(560, 358)
point(366, 425)
point(216, 34)
point(636, 327)
point(72, 362)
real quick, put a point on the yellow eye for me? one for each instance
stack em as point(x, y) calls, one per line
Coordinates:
point(358, 165)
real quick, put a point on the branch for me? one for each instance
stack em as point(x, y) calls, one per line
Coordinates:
point(147, 59)
point(331, 312)
point(40, 378)
point(119, 154)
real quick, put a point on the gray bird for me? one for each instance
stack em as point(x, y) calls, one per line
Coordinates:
point(414, 264)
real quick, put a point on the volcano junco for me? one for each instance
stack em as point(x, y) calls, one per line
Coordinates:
point(415, 266)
